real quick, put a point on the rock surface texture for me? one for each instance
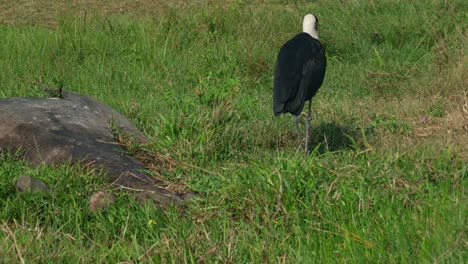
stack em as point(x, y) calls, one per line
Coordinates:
point(30, 184)
point(77, 128)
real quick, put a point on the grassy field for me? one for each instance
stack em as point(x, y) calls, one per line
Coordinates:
point(385, 182)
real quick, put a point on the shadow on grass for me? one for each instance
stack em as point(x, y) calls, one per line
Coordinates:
point(331, 136)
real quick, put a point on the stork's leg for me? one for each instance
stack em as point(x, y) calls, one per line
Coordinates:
point(309, 117)
point(296, 120)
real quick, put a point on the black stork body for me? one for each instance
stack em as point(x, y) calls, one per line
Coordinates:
point(299, 73)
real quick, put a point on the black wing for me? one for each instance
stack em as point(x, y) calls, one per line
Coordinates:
point(299, 72)
point(313, 72)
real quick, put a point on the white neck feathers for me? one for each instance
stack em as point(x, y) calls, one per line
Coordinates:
point(309, 25)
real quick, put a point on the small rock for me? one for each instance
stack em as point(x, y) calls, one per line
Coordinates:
point(27, 183)
point(190, 195)
point(100, 200)
point(425, 120)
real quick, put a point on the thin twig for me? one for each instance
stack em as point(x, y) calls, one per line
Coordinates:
point(125, 228)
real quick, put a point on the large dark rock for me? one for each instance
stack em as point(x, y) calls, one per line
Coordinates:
point(77, 128)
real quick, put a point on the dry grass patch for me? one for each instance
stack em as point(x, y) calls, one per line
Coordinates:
point(437, 123)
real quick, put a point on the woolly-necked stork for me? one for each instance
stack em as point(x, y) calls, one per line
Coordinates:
point(299, 73)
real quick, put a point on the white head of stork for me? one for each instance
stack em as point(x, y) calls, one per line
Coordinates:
point(310, 25)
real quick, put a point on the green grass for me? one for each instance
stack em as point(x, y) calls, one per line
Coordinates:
point(380, 186)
